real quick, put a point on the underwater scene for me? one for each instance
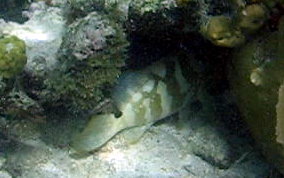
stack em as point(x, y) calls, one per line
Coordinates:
point(141, 88)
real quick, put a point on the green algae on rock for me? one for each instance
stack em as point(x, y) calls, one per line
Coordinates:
point(90, 61)
point(256, 78)
point(12, 56)
point(80, 8)
point(162, 19)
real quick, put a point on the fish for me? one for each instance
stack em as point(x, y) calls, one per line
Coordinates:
point(143, 97)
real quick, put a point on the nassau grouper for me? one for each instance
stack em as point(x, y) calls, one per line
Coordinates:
point(143, 97)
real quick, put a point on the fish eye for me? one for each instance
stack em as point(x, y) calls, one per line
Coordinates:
point(118, 114)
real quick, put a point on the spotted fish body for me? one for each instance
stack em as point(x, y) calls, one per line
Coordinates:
point(143, 97)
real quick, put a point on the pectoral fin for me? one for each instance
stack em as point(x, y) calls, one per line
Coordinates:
point(99, 130)
point(133, 135)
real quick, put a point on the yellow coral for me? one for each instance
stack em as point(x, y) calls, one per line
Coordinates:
point(220, 31)
point(182, 3)
point(12, 56)
point(252, 17)
point(280, 116)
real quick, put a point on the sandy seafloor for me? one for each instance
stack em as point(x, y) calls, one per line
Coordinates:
point(196, 149)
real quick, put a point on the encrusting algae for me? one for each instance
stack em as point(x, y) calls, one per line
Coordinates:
point(257, 79)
